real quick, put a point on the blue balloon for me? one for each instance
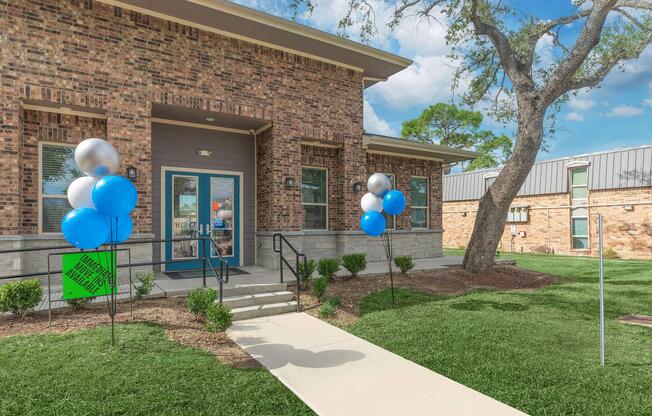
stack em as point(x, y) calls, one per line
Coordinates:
point(373, 223)
point(85, 228)
point(119, 229)
point(394, 202)
point(114, 196)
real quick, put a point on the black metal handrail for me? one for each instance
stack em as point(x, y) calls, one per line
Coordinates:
point(282, 260)
point(224, 264)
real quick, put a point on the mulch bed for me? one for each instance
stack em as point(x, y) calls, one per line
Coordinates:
point(452, 281)
point(642, 320)
point(179, 324)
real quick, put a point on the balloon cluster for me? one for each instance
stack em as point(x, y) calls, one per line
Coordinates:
point(101, 200)
point(381, 197)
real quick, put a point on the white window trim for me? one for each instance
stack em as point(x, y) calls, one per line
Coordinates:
point(315, 204)
point(427, 207)
point(393, 216)
point(40, 184)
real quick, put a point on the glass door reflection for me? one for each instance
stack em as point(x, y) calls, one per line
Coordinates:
point(222, 215)
point(185, 215)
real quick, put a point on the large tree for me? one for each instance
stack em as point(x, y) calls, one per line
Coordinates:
point(459, 128)
point(497, 48)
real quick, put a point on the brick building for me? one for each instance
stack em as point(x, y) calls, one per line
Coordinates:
point(210, 104)
point(557, 207)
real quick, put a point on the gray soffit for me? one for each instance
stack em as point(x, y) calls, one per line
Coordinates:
point(614, 169)
point(251, 25)
point(407, 148)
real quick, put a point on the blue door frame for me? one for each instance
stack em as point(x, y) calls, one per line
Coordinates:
point(206, 221)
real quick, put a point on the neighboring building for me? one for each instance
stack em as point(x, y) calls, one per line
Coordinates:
point(557, 208)
point(210, 104)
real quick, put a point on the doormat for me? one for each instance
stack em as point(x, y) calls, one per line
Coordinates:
point(193, 274)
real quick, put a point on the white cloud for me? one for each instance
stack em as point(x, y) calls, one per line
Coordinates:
point(375, 124)
point(625, 111)
point(648, 102)
point(573, 116)
point(580, 104)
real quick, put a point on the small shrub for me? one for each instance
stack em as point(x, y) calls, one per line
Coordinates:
point(326, 310)
point(354, 263)
point(334, 300)
point(200, 299)
point(78, 304)
point(20, 297)
point(305, 276)
point(328, 267)
point(405, 263)
point(146, 285)
point(541, 249)
point(610, 253)
point(218, 318)
point(319, 287)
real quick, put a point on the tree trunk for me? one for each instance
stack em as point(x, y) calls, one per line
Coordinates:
point(494, 205)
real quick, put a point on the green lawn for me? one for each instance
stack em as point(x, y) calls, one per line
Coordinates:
point(80, 374)
point(537, 351)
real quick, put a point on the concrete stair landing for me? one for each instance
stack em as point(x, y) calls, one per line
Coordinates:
point(252, 301)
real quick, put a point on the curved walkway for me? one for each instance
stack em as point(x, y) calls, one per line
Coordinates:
point(337, 373)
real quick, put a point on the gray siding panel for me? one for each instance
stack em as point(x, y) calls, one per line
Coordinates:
point(176, 146)
point(622, 168)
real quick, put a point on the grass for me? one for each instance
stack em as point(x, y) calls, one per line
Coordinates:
point(81, 374)
point(537, 351)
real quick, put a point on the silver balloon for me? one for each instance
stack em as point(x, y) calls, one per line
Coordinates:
point(97, 158)
point(379, 184)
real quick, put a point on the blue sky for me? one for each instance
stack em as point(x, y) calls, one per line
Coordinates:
point(617, 114)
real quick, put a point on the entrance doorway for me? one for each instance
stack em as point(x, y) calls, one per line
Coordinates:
point(193, 199)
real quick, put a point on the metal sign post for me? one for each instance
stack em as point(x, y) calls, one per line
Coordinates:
point(600, 249)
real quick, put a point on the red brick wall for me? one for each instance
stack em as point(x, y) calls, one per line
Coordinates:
point(105, 58)
point(403, 169)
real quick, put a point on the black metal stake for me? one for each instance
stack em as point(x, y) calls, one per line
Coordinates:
point(387, 245)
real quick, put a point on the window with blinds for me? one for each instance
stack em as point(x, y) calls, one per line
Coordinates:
point(58, 169)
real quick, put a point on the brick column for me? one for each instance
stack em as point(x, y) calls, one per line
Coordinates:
point(129, 129)
point(278, 156)
point(10, 174)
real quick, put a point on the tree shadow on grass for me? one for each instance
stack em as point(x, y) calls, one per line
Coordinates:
point(403, 298)
point(479, 304)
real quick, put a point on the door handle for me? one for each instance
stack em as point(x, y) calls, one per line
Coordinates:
point(208, 229)
point(201, 229)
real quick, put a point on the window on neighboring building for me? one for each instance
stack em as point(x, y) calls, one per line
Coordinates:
point(58, 169)
point(580, 228)
point(419, 201)
point(579, 183)
point(488, 182)
point(391, 219)
point(314, 198)
point(518, 214)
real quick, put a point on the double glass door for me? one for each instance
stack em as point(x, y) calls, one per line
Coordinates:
point(199, 205)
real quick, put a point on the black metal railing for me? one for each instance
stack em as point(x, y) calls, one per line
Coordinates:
point(296, 270)
point(222, 276)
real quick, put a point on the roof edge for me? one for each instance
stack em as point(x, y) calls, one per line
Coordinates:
point(459, 154)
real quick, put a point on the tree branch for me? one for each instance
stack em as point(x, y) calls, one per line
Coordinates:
point(517, 71)
point(562, 77)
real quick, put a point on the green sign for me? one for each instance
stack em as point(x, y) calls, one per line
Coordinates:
point(87, 274)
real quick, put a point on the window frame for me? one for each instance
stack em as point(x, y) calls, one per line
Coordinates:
point(571, 186)
point(393, 216)
point(326, 204)
point(41, 195)
point(588, 229)
point(427, 206)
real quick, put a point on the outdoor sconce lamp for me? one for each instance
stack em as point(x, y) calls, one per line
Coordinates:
point(132, 172)
point(289, 183)
point(357, 187)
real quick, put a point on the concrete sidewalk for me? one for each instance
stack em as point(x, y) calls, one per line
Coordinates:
point(336, 373)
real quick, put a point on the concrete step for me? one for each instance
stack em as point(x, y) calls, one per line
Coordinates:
point(248, 312)
point(241, 290)
point(257, 299)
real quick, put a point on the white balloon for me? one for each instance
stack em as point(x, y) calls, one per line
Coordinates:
point(97, 158)
point(379, 184)
point(80, 191)
point(224, 214)
point(371, 202)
